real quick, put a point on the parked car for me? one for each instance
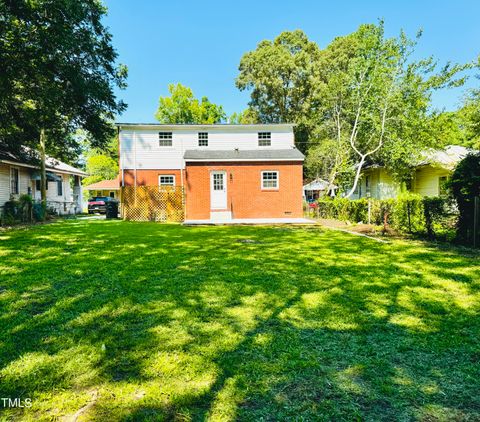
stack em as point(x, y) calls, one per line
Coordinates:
point(99, 204)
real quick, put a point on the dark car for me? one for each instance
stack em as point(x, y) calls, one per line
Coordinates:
point(99, 204)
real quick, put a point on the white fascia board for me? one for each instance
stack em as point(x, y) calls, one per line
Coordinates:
point(206, 160)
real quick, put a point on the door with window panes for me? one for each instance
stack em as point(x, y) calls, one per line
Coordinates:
point(218, 190)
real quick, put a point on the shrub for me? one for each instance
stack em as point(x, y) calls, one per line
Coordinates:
point(407, 213)
point(465, 186)
point(25, 204)
point(10, 212)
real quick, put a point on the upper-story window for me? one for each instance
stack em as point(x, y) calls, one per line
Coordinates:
point(203, 139)
point(165, 139)
point(264, 139)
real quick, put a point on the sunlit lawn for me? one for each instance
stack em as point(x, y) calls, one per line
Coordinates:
point(141, 321)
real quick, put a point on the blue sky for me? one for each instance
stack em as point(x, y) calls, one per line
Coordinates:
point(200, 43)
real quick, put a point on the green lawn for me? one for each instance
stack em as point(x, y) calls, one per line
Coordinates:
point(142, 321)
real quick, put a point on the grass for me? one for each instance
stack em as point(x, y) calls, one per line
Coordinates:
point(140, 321)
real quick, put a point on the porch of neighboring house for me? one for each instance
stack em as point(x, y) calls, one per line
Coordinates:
point(64, 194)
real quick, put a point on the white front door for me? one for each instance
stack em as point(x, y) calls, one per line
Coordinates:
point(218, 190)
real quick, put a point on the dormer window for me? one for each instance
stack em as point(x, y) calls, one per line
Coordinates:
point(165, 139)
point(203, 139)
point(264, 139)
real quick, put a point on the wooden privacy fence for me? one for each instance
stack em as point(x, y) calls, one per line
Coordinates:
point(153, 203)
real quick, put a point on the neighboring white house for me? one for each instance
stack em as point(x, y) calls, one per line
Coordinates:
point(429, 177)
point(20, 174)
point(316, 188)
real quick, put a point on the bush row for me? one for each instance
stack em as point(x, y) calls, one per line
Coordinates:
point(23, 210)
point(409, 213)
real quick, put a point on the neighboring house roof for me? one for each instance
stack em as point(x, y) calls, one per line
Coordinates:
point(291, 154)
point(104, 185)
point(318, 184)
point(259, 126)
point(446, 158)
point(29, 158)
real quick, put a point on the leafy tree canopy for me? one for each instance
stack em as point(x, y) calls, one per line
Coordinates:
point(245, 117)
point(182, 107)
point(281, 76)
point(58, 73)
point(100, 167)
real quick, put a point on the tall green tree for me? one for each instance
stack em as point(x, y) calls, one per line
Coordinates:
point(100, 167)
point(374, 99)
point(281, 78)
point(245, 117)
point(59, 74)
point(182, 107)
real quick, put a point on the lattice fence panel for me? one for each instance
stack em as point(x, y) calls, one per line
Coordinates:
point(153, 203)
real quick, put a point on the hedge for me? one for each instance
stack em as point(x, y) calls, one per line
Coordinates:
point(408, 213)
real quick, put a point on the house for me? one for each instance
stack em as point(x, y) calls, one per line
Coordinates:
point(316, 188)
point(429, 177)
point(109, 188)
point(227, 172)
point(20, 174)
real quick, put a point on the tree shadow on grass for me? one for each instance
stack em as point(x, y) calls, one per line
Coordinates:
point(173, 322)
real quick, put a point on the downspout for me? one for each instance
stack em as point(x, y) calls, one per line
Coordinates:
point(120, 156)
point(182, 169)
point(135, 166)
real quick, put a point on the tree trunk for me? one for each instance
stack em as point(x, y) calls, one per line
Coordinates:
point(357, 177)
point(43, 174)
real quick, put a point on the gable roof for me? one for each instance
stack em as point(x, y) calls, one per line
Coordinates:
point(446, 158)
point(318, 184)
point(291, 154)
point(104, 185)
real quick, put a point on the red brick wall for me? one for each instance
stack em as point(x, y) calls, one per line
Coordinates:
point(245, 197)
point(149, 177)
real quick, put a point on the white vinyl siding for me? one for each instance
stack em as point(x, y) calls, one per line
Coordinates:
point(140, 148)
point(427, 180)
point(4, 183)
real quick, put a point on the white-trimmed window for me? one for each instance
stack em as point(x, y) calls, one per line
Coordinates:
point(264, 139)
point(270, 179)
point(203, 139)
point(166, 180)
point(59, 187)
point(165, 139)
point(14, 188)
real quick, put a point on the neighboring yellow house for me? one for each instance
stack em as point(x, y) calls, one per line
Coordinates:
point(109, 188)
point(428, 180)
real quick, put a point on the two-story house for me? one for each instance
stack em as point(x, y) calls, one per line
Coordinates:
point(227, 172)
